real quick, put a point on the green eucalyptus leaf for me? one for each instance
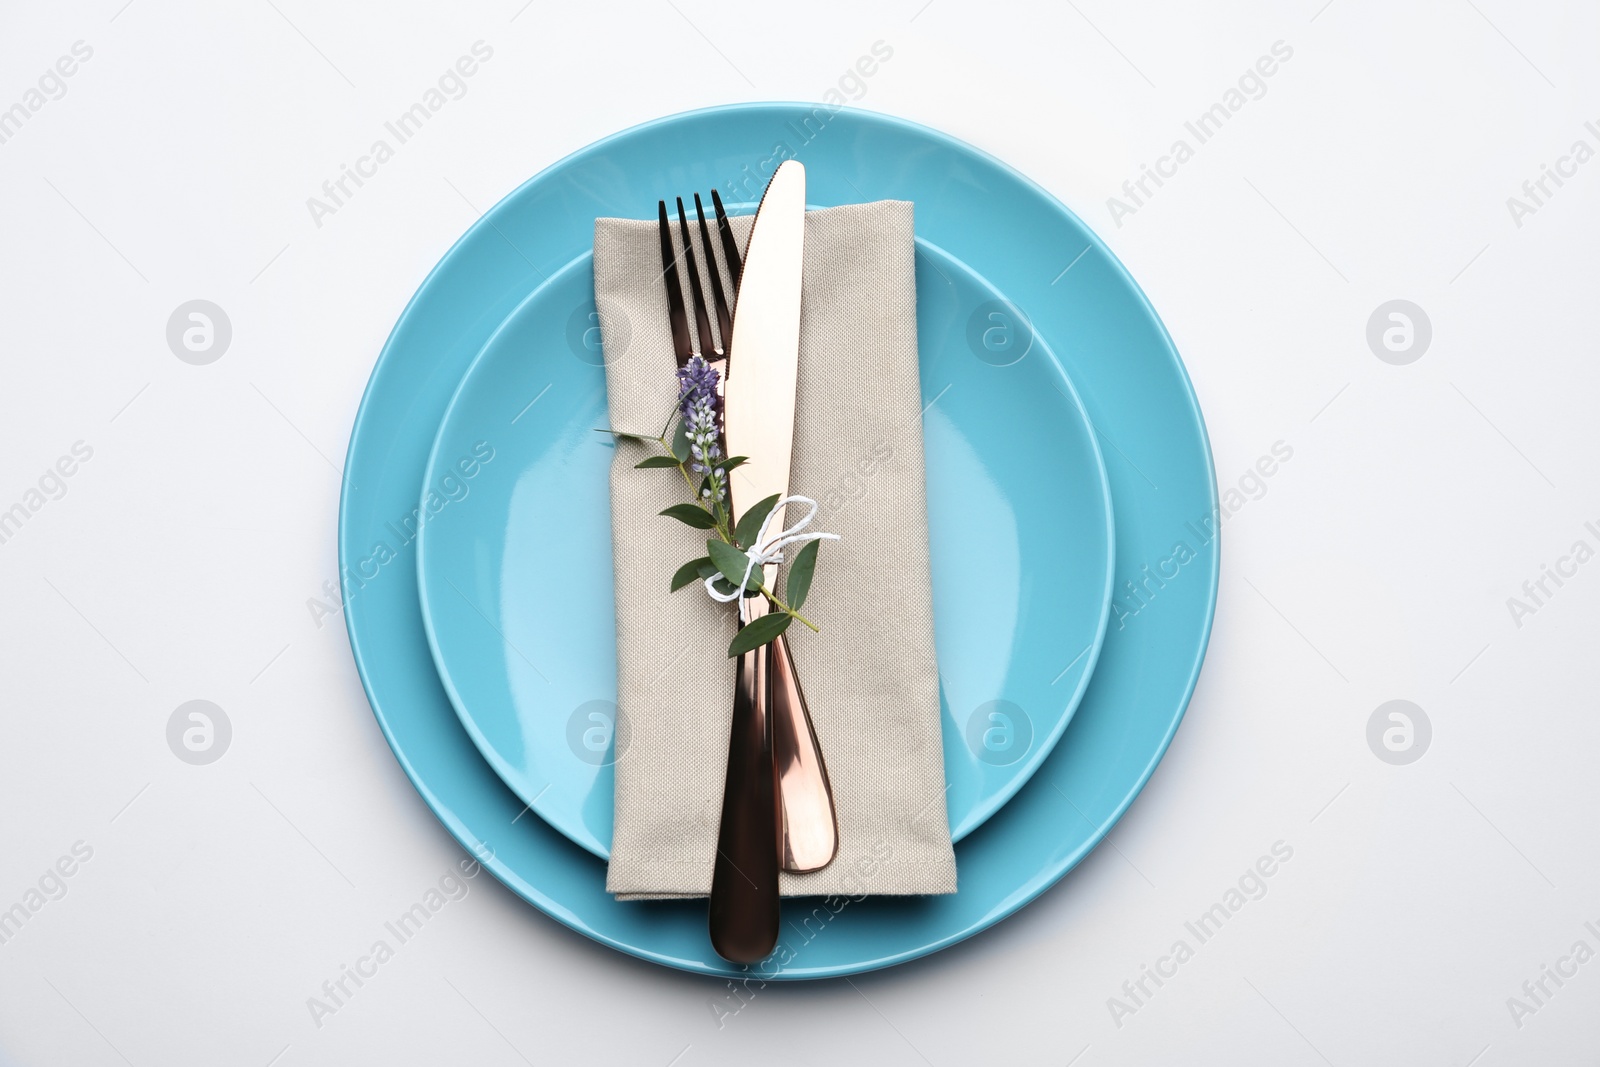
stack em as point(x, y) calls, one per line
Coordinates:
point(680, 443)
point(731, 562)
point(800, 572)
point(758, 633)
point(736, 461)
point(689, 572)
point(750, 522)
point(722, 585)
point(706, 567)
point(657, 461)
point(691, 515)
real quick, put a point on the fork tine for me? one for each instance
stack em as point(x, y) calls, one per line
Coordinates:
point(675, 311)
point(718, 296)
point(729, 245)
point(702, 316)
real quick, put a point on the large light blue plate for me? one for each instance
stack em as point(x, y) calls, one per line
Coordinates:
point(1107, 339)
point(516, 578)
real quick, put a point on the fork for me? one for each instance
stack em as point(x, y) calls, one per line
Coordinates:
point(773, 747)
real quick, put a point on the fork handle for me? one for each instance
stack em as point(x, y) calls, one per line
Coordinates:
point(805, 797)
point(744, 879)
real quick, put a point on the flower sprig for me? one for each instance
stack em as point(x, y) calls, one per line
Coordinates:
point(691, 443)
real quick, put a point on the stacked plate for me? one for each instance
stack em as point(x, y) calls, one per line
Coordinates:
point(1071, 518)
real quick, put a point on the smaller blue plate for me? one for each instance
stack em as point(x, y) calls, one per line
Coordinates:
point(514, 558)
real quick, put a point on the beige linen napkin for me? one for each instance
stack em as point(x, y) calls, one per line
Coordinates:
point(870, 676)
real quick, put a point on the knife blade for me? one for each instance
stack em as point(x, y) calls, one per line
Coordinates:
point(764, 355)
point(764, 359)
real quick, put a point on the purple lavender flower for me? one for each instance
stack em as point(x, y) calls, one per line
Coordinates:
point(701, 409)
point(697, 382)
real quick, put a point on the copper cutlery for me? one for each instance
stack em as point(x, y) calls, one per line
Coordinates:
point(777, 809)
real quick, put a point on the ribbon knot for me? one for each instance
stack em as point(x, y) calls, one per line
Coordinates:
point(769, 547)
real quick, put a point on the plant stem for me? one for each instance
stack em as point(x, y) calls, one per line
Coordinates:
point(714, 511)
point(786, 609)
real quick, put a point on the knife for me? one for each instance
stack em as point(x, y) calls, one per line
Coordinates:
point(759, 400)
point(776, 781)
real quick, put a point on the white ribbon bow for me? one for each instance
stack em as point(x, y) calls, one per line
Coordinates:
point(768, 551)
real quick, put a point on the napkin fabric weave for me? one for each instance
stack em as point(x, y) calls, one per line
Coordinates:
point(870, 677)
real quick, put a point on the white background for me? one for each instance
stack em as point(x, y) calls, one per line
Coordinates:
point(1375, 566)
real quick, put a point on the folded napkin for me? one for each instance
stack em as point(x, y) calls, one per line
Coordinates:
point(870, 676)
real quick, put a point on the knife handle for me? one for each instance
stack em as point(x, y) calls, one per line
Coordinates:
point(805, 797)
point(744, 879)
